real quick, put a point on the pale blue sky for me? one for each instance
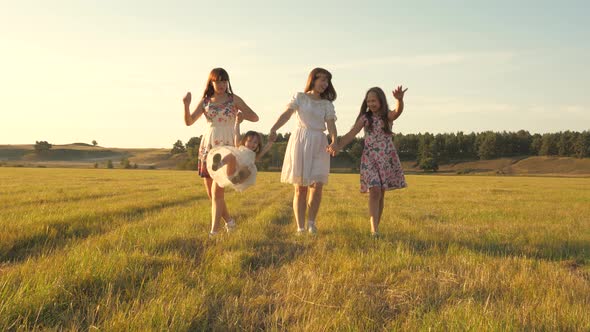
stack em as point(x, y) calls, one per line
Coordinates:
point(116, 71)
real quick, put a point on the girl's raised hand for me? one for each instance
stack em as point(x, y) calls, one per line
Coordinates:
point(239, 117)
point(187, 99)
point(398, 93)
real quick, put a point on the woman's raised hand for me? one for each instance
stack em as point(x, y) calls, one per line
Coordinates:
point(187, 99)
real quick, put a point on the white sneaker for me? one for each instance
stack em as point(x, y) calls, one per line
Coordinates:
point(230, 225)
point(300, 231)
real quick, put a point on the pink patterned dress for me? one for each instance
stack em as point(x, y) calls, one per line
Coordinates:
point(220, 130)
point(380, 165)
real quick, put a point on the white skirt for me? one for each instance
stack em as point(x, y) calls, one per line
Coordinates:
point(306, 160)
point(244, 157)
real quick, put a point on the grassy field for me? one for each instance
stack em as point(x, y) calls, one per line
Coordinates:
point(128, 250)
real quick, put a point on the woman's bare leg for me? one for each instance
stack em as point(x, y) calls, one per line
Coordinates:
point(299, 205)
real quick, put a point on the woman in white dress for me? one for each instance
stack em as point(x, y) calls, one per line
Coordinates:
point(307, 162)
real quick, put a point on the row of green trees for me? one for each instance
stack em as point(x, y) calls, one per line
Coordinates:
point(430, 150)
point(490, 145)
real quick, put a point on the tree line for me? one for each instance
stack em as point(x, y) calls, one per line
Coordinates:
point(429, 150)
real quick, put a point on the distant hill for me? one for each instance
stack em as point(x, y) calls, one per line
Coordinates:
point(82, 155)
point(524, 165)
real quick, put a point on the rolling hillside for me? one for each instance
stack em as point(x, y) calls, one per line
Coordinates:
point(81, 155)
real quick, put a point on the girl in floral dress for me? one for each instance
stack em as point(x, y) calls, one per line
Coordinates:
point(381, 169)
point(220, 107)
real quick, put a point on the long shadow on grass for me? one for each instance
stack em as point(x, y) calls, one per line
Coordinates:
point(60, 199)
point(576, 249)
point(272, 250)
point(58, 233)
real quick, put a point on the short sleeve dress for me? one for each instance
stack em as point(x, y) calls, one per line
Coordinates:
point(306, 160)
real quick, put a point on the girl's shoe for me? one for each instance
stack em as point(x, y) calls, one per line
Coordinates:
point(212, 234)
point(375, 235)
point(230, 225)
point(300, 231)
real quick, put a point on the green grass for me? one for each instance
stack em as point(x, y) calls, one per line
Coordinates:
point(128, 250)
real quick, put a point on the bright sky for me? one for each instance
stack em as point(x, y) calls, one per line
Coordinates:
point(115, 71)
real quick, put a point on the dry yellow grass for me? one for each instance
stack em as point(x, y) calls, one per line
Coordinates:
point(128, 250)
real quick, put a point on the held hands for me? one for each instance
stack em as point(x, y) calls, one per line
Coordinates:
point(398, 93)
point(272, 136)
point(187, 99)
point(333, 149)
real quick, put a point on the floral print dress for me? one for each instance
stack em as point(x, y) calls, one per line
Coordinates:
point(380, 165)
point(220, 131)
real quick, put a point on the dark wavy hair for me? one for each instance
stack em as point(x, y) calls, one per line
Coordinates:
point(217, 74)
point(330, 92)
point(381, 113)
point(252, 133)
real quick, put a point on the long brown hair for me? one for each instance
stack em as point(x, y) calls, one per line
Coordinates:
point(252, 133)
point(217, 74)
point(382, 110)
point(330, 92)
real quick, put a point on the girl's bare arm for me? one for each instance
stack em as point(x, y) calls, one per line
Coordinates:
point(245, 109)
point(189, 118)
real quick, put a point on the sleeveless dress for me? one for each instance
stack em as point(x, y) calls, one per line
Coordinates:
point(306, 160)
point(380, 164)
point(220, 130)
point(244, 157)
